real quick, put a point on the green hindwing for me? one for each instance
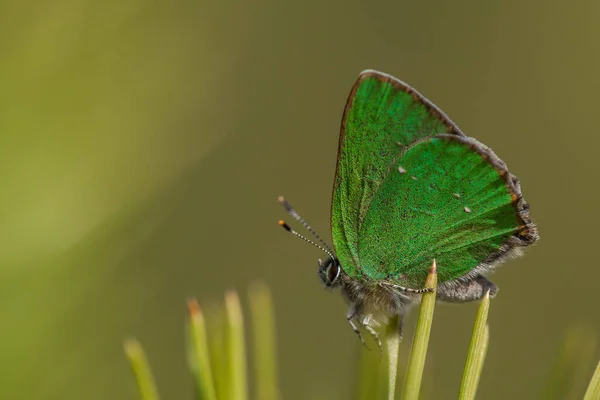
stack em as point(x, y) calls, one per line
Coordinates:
point(445, 197)
point(382, 117)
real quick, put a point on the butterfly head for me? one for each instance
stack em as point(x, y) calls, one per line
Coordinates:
point(329, 272)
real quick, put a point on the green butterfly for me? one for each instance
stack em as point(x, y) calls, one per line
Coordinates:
point(411, 187)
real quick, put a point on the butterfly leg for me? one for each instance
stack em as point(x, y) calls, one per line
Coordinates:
point(398, 292)
point(366, 323)
point(350, 316)
point(400, 327)
point(405, 289)
point(461, 291)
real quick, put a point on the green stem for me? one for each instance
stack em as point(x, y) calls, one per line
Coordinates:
point(263, 329)
point(416, 363)
point(393, 350)
point(236, 348)
point(563, 378)
point(477, 352)
point(200, 355)
point(593, 390)
point(141, 370)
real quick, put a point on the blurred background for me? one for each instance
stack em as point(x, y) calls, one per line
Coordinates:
point(143, 145)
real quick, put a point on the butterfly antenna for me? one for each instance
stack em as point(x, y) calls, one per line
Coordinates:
point(289, 229)
point(298, 218)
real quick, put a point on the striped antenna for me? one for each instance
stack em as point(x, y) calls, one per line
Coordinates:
point(298, 218)
point(289, 229)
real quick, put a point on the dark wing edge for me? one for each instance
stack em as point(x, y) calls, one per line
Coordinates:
point(453, 129)
point(527, 234)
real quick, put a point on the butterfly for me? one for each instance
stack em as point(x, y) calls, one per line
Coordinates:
point(410, 187)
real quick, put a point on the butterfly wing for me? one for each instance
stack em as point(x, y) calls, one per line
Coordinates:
point(446, 197)
point(382, 117)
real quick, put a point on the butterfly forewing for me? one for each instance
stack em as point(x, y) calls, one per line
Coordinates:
point(382, 117)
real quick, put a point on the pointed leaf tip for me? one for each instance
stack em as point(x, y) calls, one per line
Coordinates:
point(231, 297)
point(233, 308)
point(193, 306)
point(141, 370)
point(132, 346)
point(198, 353)
point(236, 347)
point(431, 281)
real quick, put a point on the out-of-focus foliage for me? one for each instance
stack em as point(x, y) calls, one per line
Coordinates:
point(231, 356)
point(143, 145)
point(229, 380)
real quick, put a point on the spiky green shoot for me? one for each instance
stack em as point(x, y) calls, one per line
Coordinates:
point(141, 370)
point(236, 348)
point(418, 353)
point(593, 390)
point(477, 352)
point(263, 332)
point(199, 355)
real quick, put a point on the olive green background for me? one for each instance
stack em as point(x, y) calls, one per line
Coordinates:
point(143, 145)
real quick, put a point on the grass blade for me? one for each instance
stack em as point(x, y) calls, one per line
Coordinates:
point(370, 380)
point(593, 390)
point(477, 352)
point(217, 330)
point(236, 348)
point(263, 329)
point(392, 339)
point(418, 353)
point(199, 354)
point(564, 379)
point(141, 370)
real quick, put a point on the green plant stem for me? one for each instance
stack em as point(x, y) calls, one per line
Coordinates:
point(371, 379)
point(200, 355)
point(141, 370)
point(477, 352)
point(393, 349)
point(564, 378)
point(236, 348)
point(416, 363)
point(263, 329)
point(217, 329)
point(593, 390)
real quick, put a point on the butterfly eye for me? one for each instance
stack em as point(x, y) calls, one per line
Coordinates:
point(329, 271)
point(332, 273)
